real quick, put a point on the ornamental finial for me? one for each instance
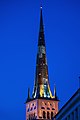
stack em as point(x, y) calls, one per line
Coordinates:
point(41, 7)
point(41, 4)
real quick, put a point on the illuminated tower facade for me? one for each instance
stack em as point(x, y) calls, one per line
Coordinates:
point(42, 104)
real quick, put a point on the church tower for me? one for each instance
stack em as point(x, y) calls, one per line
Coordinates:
point(42, 104)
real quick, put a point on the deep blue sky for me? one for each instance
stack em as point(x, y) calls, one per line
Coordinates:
point(19, 27)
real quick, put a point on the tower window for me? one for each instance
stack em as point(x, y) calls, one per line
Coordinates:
point(72, 116)
point(48, 117)
point(44, 114)
point(76, 111)
point(53, 109)
point(29, 117)
point(35, 107)
point(28, 110)
point(52, 115)
point(34, 114)
point(31, 109)
point(33, 104)
point(68, 117)
point(42, 108)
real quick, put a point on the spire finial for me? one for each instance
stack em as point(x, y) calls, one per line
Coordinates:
point(41, 4)
point(55, 91)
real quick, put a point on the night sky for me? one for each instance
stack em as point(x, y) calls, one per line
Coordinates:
point(19, 28)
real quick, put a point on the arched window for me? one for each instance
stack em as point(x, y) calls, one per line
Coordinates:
point(51, 115)
point(29, 117)
point(48, 115)
point(34, 114)
point(44, 114)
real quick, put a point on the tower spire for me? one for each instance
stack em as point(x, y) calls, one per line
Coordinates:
point(41, 87)
point(42, 96)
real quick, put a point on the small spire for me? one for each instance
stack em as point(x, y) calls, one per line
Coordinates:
point(55, 95)
point(28, 94)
